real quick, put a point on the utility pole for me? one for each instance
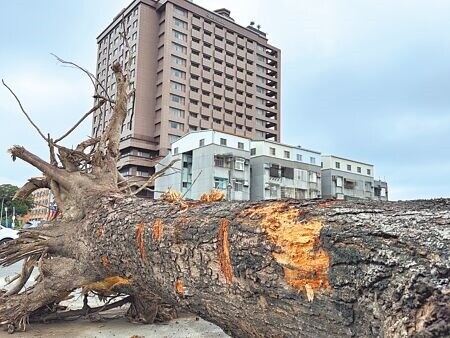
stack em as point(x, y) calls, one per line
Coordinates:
point(1, 211)
point(6, 217)
point(13, 224)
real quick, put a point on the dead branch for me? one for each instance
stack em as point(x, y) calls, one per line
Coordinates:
point(90, 142)
point(27, 269)
point(32, 185)
point(100, 103)
point(193, 182)
point(56, 174)
point(80, 312)
point(23, 111)
point(91, 76)
point(156, 175)
point(105, 158)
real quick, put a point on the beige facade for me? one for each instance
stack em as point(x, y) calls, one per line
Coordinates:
point(193, 69)
point(42, 205)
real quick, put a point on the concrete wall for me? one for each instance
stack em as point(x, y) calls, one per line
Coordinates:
point(363, 189)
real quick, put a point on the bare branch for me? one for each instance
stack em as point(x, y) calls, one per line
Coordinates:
point(92, 110)
point(51, 172)
point(193, 182)
point(23, 111)
point(32, 185)
point(156, 175)
point(80, 312)
point(107, 152)
point(27, 269)
point(91, 76)
point(90, 142)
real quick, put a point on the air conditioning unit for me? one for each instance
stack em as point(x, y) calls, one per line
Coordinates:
point(246, 183)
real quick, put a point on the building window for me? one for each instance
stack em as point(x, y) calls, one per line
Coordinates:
point(240, 145)
point(260, 133)
point(176, 125)
point(177, 112)
point(223, 141)
point(349, 167)
point(178, 73)
point(358, 169)
point(260, 90)
point(287, 154)
point(299, 157)
point(253, 151)
point(239, 164)
point(368, 172)
point(313, 177)
point(175, 151)
point(273, 191)
point(238, 185)
point(179, 61)
point(180, 23)
point(220, 183)
point(272, 151)
point(180, 11)
point(201, 143)
point(312, 160)
point(259, 122)
point(338, 165)
point(177, 99)
point(173, 138)
point(177, 86)
point(179, 36)
point(179, 48)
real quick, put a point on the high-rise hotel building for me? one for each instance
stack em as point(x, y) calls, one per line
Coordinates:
point(192, 69)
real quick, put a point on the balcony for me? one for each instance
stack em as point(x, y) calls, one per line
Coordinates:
point(194, 108)
point(196, 34)
point(194, 95)
point(207, 99)
point(207, 63)
point(217, 102)
point(217, 115)
point(195, 58)
point(229, 106)
point(194, 83)
point(207, 86)
point(220, 44)
point(207, 38)
point(205, 124)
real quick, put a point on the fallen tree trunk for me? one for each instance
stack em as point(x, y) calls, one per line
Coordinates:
point(271, 269)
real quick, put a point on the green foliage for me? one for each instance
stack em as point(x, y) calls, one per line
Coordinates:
point(7, 192)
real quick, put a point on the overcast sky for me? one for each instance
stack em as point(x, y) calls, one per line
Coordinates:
point(363, 79)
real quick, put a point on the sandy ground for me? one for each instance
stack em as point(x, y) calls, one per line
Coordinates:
point(113, 324)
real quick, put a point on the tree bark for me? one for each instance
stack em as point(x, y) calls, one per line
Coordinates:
point(268, 269)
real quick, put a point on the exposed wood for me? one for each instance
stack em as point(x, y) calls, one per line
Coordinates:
point(267, 269)
point(285, 268)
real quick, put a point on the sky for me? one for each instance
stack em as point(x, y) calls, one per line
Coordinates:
point(366, 80)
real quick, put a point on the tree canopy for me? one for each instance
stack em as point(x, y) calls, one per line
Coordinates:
point(7, 192)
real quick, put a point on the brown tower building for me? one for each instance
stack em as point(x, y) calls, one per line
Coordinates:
point(192, 69)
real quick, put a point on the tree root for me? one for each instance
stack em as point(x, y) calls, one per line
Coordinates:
point(59, 277)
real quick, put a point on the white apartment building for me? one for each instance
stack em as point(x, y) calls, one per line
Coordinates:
point(208, 160)
point(346, 179)
point(284, 171)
